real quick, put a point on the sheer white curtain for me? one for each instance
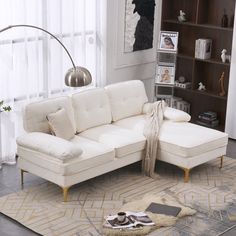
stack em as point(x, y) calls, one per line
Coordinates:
point(32, 64)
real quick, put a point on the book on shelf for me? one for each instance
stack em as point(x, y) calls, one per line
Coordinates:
point(158, 208)
point(208, 115)
point(212, 124)
point(174, 101)
point(183, 106)
point(133, 219)
point(206, 118)
point(203, 48)
point(208, 121)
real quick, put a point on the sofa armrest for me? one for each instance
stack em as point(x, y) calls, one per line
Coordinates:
point(50, 145)
point(169, 113)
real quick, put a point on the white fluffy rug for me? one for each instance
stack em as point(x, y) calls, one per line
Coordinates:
point(160, 220)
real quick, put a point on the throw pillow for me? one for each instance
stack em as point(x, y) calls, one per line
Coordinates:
point(60, 124)
point(176, 115)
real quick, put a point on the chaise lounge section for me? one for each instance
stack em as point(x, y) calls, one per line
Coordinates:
point(106, 134)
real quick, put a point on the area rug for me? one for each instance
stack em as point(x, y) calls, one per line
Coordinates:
point(211, 191)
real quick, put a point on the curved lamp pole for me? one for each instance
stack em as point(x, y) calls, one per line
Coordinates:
point(77, 76)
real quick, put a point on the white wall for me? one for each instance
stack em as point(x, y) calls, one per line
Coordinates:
point(230, 126)
point(122, 66)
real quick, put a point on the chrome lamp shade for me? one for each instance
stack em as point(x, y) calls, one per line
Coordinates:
point(76, 76)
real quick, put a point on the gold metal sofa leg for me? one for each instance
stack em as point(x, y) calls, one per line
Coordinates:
point(22, 177)
point(221, 162)
point(186, 174)
point(65, 193)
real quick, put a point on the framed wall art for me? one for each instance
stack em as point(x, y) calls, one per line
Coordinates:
point(122, 37)
point(139, 24)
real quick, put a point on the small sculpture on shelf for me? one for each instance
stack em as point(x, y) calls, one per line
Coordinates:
point(201, 86)
point(221, 83)
point(181, 16)
point(182, 79)
point(224, 56)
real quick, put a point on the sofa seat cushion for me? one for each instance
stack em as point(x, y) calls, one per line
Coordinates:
point(122, 140)
point(134, 123)
point(187, 140)
point(94, 154)
point(180, 138)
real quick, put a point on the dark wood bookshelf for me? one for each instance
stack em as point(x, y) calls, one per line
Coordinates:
point(203, 20)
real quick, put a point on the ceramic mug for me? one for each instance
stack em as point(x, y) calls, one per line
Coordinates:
point(121, 216)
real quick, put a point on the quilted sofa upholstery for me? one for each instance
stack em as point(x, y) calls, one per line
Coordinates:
point(108, 123)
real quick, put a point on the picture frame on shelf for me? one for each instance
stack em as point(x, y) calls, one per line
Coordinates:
point(168, 41)
point(164, 91)
point(165, 74)
point(166, 58)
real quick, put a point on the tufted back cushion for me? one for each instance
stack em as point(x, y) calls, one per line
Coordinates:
point(126, 98)
point(91, 108)
point(35, 113)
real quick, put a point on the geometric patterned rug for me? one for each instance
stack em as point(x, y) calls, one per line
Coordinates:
point(210, 191)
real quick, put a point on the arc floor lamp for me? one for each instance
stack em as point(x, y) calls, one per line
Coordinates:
point(77, 76)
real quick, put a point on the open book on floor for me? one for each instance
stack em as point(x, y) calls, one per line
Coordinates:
point(158, 208)
point(133, 219)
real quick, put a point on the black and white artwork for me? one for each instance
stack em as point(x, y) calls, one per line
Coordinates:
point(139, 22)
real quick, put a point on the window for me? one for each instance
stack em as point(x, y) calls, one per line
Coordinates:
point(33, 64)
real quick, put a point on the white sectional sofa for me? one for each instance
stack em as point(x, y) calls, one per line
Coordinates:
point(108, 125)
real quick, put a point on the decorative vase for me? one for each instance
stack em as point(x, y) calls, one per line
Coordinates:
point(224, 20)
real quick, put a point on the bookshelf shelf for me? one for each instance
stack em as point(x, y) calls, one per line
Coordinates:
point(210, 94)
point(193, 24)
point(184, 56)
point(213, 61)
point(202, 93)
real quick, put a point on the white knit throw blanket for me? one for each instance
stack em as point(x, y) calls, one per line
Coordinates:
point(151, 132)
